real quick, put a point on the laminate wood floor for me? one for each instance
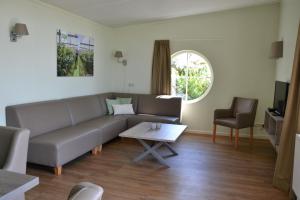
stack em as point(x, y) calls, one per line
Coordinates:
point(201, 171)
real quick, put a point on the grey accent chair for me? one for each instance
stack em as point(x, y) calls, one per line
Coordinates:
point(240, 115)
point(13, 150)
point(86, 191)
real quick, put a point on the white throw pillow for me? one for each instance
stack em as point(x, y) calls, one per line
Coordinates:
point(123, 109)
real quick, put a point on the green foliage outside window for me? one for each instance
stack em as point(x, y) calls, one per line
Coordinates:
point(191, 76)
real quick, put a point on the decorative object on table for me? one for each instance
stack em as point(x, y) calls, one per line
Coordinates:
point(153, 126)
point(75, 54)
point(18, 31)
point(240, 115)
point(86, 191)
point(158, 125)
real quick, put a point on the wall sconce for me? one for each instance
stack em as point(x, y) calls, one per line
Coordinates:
point(18, 31)
point(276, 50)
point(119, 55)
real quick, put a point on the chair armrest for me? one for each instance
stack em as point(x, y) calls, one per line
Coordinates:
point(243, 120)
point(222, 113)
point(86, 190)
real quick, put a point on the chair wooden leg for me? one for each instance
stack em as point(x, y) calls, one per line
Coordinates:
point(230, 136)
point(214, 133)
point(58, 170)
point(236, 144)
point(251, 135)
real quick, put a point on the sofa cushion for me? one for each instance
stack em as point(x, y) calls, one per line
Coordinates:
point(134, 99)
point(59, 147)
point(102, 100)
point(229, 122)
point(135, 119)
point(125, 100)
point(123, 109)
point(109, 126)
point(110, 103)
point(84, 108)
point(159, 105)
point(39, 118)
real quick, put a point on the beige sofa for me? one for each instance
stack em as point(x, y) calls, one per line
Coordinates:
point(62, 130)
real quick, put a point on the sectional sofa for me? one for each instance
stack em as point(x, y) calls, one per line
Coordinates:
point(64, 129)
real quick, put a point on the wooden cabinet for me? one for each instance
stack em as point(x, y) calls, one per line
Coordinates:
point(273, 126)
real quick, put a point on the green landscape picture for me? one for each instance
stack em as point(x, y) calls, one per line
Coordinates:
point(75, 54)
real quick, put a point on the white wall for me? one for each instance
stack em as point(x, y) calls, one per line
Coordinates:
point(28, 67)
point(236, 42)
point(288, 29)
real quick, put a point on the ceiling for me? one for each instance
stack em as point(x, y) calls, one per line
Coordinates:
point(117, 13)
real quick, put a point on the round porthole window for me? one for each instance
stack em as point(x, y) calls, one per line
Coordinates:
point(192, 75)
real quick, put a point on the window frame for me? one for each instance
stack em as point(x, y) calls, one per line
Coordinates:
point(211, 70)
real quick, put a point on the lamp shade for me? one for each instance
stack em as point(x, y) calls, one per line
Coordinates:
point(118, 54)
point(276, 49)
point(21, 29)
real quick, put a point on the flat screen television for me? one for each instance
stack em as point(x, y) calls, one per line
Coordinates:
point(280, 97)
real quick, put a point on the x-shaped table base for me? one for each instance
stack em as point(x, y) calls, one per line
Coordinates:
point(152, 149)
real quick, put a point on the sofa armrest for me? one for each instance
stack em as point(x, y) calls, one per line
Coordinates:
point(243, 120)
point(17, 155)
point(222, 113)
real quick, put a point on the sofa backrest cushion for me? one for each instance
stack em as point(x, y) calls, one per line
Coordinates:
point(134, 99)
point(39, 117)
point(159, 105)
point(102, 100)
point(84, 108)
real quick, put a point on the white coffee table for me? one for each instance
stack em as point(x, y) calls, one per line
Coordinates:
point(13, 185)
point(168, 133)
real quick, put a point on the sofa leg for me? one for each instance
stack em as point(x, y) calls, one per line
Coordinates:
point(99, 148)
point(251, 135)
point(95, 151)
point(58, 170)
point(214, 133)
point(236, 144)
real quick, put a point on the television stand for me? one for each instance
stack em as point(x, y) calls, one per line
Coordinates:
point(273, 125)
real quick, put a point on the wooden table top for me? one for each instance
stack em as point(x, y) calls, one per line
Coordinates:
point(166, 133)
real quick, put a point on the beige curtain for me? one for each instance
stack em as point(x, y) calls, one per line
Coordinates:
point(161, 68)
point(291, 125)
